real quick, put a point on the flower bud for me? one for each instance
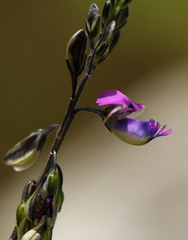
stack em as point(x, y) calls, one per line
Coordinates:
point(93, 21)
point(37, 232)
point(121, 18)
point(24, 153)
point(51, 182)
point(114, 41)
point(102, 46)
point(24, 226)
point(103, 51)
point(108, 33)
point(48, 234)
point(28, 190)
point(124, 3)
point(20, 213)
point(58, 197)
point(60, 201)
point(75, 52)
point(43, 202)
point(106, 12)
point(35, 203)
point(22, 223)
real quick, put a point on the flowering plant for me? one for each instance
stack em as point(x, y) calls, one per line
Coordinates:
point(42, 199)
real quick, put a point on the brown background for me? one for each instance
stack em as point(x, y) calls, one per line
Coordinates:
point(113, 190)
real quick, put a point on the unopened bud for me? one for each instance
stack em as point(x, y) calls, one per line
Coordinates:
point(121, 18)
point(124, 3)
point(101, 49)
point(108, 33)
point(24, 153)
point(51, 182)
point(37, 232)
point(75, 52)
point(102, 46)
point(60, 201)
point(107, 10)
point(48, 234)
point(93, 21)
point(114, 41)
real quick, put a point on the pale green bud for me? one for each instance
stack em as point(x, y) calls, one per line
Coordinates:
point(48, 234)
point(124, 3)
point(60, 201)
point(24, 153)
point(51, 182)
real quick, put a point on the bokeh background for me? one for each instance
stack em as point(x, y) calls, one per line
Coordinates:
point(112, 190)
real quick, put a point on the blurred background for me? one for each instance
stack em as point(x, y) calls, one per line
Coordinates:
point(112, 190)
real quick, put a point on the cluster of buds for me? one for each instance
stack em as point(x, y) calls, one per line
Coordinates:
point(40, 203)
point(37, 211)
point(114, 17)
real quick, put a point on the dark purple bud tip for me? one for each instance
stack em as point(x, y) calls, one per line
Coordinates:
point(46, 209)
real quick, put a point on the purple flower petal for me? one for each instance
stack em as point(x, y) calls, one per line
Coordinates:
point(154, 129)
point(131, 130)
point(46, 209)
point(136, 132)
point(115, 98)
point(112, 97)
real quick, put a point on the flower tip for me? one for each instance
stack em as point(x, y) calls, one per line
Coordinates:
point(154, 129)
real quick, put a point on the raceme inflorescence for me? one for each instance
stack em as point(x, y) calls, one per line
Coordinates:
point(42, 200)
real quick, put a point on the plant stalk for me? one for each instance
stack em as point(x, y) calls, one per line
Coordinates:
point(68, 118)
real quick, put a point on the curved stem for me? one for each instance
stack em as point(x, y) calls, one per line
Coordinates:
point(96, 111)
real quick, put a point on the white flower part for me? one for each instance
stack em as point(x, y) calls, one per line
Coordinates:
point(31, 235)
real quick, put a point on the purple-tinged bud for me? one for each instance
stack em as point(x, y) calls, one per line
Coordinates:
point(75, 52)
point(20, 212)
point(45, 197)
point(46, 209)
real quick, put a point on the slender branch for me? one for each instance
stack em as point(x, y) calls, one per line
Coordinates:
point(97, 111)
point(68, 118)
